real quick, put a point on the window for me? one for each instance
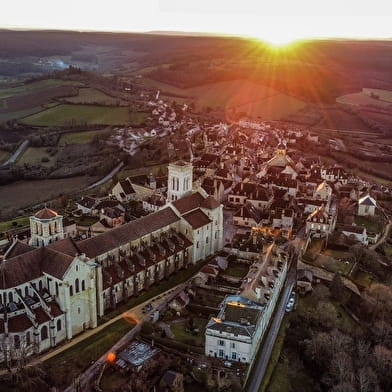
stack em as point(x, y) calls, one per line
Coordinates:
point(40, 285)
point(44, 332)
point(71, 290)
point(221, 342)
point(57, 289)
point(206, 240)
point(17, 341)
point(78, 310)
point(197, 244)
point(58, 325)
point(232, 345)
point(10, 298)
point(234, 356)
point(76, 285)
point(26, 291)
point(83, 285)
point(77, 268)
point(221, 353)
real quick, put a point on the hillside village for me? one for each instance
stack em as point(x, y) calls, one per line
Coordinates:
point(242, 202)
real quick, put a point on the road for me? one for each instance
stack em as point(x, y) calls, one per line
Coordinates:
point(262, 361)
point(16, 154)
point(383, 237)
point(107, 177)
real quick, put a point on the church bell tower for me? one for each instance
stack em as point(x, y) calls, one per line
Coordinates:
point(179, 180)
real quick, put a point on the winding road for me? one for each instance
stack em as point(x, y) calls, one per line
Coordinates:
point(16, 154)
point(107, 177)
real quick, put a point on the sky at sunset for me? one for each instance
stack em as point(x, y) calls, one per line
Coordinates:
point(275, 21)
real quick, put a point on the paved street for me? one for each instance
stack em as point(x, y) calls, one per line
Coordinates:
point(262, 361)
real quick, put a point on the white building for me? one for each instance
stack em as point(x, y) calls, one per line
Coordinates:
point(46, 226)
point(180, 180)
point(50, 293)
point(235, 334)
point(366, 206)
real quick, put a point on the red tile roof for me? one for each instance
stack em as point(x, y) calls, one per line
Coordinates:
point(19, 323)
point(45, 213)
point(130, 231)
point(197, 218)
point(210, 203)
point(188, 203)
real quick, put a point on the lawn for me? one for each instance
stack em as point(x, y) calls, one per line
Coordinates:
point(185, 336)
point(66, 115)
point(237, 270)
point(86, 220)
point(9, 225)
point(274, 379)
point(4, 155)
point(34, 155)
point(93, 96)
point(78, 137)
point(65, 366)
point(328, 262)
point(372, 224)
point(361, 98)
point(363, 279)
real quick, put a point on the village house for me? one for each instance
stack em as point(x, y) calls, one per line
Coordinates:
point(366, 206)
point(320, 223)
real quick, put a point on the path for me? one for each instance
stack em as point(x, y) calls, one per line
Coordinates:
point(107, 177)
point(327, 275)
point(132, 313)
point(86, 379)
point(383, 237)
point(16, 154)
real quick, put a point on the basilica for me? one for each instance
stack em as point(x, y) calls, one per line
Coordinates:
point(55, 287)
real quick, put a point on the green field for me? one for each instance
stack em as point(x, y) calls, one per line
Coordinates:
point(20, 113)
point(8, 225)
point(361, 98)
point(78, 137)
point(63, 115)
point(243, 95)
point(25, 193)
point(93, 96)
point(274, 107)
point(11, 91)
point(34, 155)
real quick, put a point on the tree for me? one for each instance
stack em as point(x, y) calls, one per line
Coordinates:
point(337, 287)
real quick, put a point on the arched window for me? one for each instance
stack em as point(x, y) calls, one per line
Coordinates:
point(83, 285)
point(17, 341)
point(28, 339)
point(71, 290)
point(58, 325)
point(76, 285)
point(44, 332)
